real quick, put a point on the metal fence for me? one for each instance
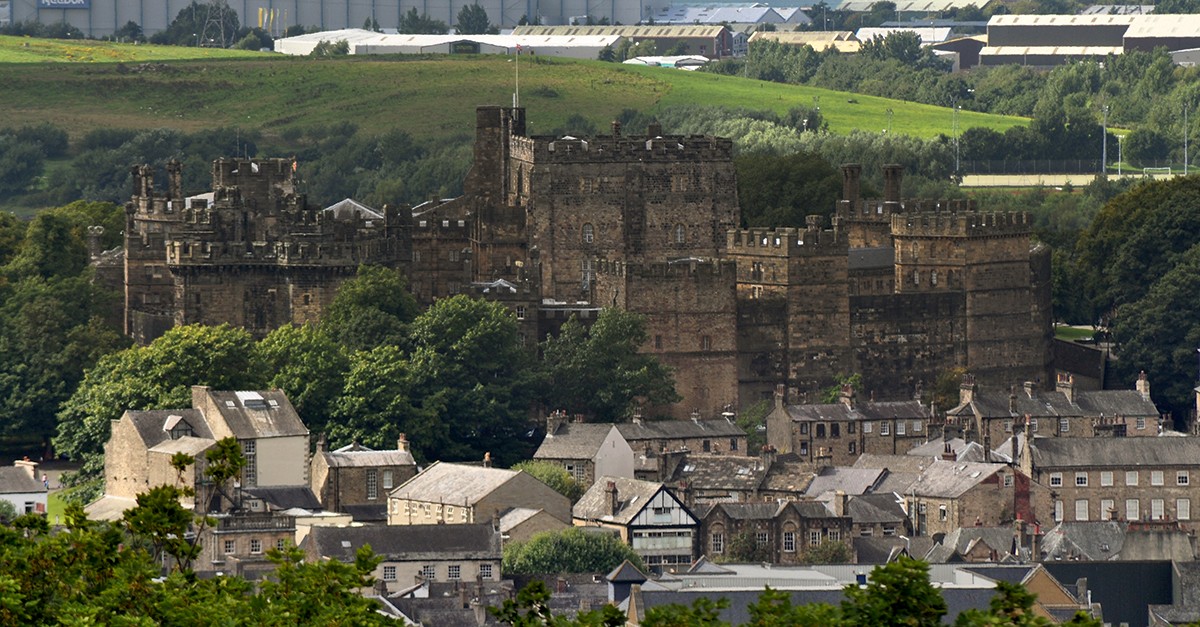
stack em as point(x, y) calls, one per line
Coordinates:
point(1053, 166)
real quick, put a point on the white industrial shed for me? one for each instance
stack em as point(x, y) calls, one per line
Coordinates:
point(370, 42)
point(100, 18)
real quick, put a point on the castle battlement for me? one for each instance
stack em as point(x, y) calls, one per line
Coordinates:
point(961, 224)
point(882, 210)
point(321, 252)
point(786, 241)
point(690, 268)
point(620, 149)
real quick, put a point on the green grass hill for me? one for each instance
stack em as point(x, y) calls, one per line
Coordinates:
point(80, 86)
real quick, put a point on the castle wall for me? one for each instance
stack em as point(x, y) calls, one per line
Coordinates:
point(901, 340)
point(689, 307)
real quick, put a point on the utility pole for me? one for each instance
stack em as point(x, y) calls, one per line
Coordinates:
point(956, 108)
point(1185, 138)
point(1104, 144)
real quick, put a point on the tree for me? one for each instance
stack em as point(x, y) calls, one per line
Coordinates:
point(531, 608)
point(213, 23)
point(421, 24)
point(309, 366)
point(473, 20)
point(160, 519)
point(829, 553)
point(372, 309)
point(1012, 606)
point(377, 405)
point(468, 366)
point(553, 475)
point(774, 609)
point(600, 371)
point(703, 612)
point(744, 547)
point(898, 593)
point(572, 550)
point(158, 376)
point(783, 190)
point(325, 49)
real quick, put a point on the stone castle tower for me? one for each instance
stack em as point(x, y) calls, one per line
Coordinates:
point(251, 253)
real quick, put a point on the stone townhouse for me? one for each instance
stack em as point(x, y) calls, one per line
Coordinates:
point(838, 433)
point(647, 516)
point(948, 495)
point(718, 436)
point(356, 479)
point(138, 453)
point(879, 515)
point(1067, 412)
point(586, 450)
point(1118, 478)
point(457, 494)
point(20, 486)
point(414, 553)
point(783, 533)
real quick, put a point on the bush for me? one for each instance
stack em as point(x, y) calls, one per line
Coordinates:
point(571, 550)
point(52, 139)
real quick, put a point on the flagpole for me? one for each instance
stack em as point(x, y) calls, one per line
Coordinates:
point(517, 70)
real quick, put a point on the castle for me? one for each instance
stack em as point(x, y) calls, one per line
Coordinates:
point(251, 253)
point(899, 291)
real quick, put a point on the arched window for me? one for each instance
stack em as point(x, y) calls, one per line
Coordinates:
point(933, 277)
point(589, 234)
point(680, 234)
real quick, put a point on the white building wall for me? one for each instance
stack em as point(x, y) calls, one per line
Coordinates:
point(615, 457)
point(27, 501)
point(282, 461)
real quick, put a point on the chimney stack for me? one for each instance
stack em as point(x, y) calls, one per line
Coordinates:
point(1143, 385)
point(554, 421)
point(893, 175)
point(322, 445)
point(966, 389)
point(1065, 384)
point(487, 459)
point(948, 453)
point(402, 443)
point(851, 182)
point(614, 502)
point(839, 503)
point(94, 233)
point(616, 128)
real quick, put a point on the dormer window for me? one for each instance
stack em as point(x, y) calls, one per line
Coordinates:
point(176, 427)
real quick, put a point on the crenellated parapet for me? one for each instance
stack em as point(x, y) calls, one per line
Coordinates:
point(690, 268)
point(972, 224)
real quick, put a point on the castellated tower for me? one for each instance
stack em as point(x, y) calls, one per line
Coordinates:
point(251, 253)
point(620, 197)
point(150, 216)
point(688, 304)
point(793, 306)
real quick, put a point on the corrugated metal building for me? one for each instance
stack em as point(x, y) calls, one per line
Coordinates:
point(370, 42)
point(712, 41)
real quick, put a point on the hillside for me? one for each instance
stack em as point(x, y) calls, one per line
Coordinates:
point(429, 97)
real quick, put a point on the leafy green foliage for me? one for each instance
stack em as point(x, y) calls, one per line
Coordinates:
point(572, 550)
point(370, 310)
point(158, 376)
point(473, 20)
point(829, 553)
point(309, 366)
point(743, 547)
point(898, 593)
point(703, 612)
point(325, 49)
point(421, 24)
point(774, 609)
point(553, 475)
point(782, 190)
point(598, 371)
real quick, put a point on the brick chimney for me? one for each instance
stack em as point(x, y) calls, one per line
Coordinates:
point(94, 233)
point(1143, 385)
point(1030, 389)
point(616, 128)
point(322, 445)
point(487, 459)
point(402, 443)
point(846, 396)
point(614, 502)
point(767, 456)
point(839, 503)
point(948, 453)
point(780, 395)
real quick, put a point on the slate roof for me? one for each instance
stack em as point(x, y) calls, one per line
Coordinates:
point(1093, 541)
point(877, 549)
point(409, 543)
point(1115, 452)
point(677, 430)
point(951, 479)
point(894, 463)
point(459, 484)
point(869, 410)
point(253, 415)
point(150, 424)
point(964, 539)
point(348, 209)
point(872, 258)
point(963, 451)
point(1109, 584)
point(1012, 573)
point(713, 472)
point(1043, 404)
point(870, 509)
point(578, 440)
point(286, 497)
point(370, 512)
point(852, 481)
point(746, 511)
point(14, 480)
point(626, 573)
point(632, 496)
point(356, 455)
point(788, 475)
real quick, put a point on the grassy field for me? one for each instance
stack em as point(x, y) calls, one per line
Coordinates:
point(1071, 334)
point(29, 50)
point(429, 97)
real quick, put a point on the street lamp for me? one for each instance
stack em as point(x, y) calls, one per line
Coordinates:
point(1104, 145)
